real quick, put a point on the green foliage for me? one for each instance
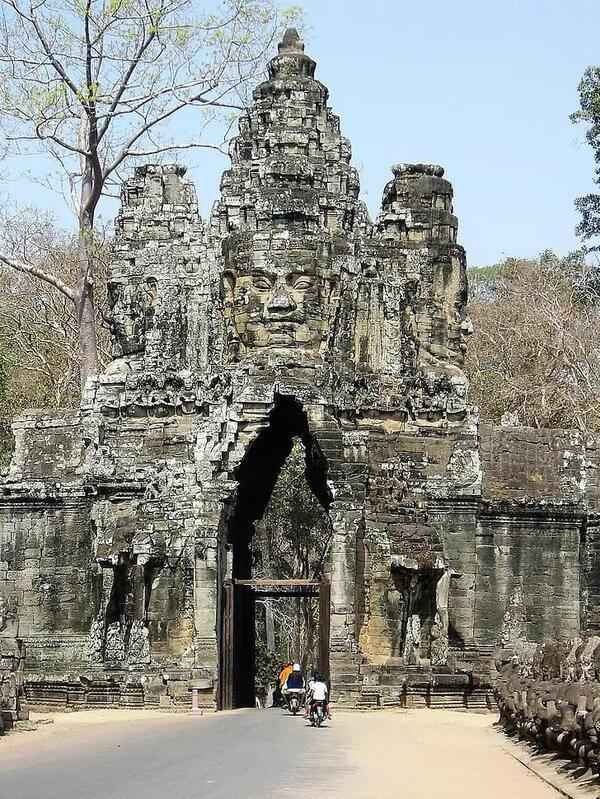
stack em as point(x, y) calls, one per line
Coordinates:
point(482, 281)
point(589, 114)
point(292, 15)
point(182, 36)
point(294, 533)
point(39, 359)
point(266, 667)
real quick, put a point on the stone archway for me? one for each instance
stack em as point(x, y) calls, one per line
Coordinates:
point(256, 477)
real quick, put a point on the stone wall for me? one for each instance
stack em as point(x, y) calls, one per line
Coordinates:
point(48, 577)
point(537, 493)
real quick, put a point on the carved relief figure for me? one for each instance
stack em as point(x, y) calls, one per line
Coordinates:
point(395, 611)
point(115, 643)
point(95, 642)
point(417, 610)
point(8, 691)
point(439, 630)
point(138, 650)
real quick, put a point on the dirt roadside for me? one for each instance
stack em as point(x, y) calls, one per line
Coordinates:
point(419, 754)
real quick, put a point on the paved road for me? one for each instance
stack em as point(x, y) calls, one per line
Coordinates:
point(252, 754)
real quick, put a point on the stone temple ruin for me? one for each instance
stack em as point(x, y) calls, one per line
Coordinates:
point(290, 313)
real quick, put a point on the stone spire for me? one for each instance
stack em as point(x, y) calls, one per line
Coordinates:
point(290, 160)
point(289, 199)
point(417, 206)
point(291, 42)
point(291, 59)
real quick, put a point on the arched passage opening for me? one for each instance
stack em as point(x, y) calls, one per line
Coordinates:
point(274, 505)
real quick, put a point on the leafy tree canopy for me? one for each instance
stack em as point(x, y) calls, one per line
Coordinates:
point(589, 114)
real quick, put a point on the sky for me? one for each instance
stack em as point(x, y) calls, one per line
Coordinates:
point(482, 87)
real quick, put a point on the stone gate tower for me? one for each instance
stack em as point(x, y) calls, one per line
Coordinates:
point(289, 314)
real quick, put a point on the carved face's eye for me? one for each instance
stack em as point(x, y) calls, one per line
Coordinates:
point(261, 283)
point(302, 284)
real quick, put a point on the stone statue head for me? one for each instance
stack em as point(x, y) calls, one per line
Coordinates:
point(277, 299)
point(446, 339)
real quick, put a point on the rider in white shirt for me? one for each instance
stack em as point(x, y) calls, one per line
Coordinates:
point(318, 692)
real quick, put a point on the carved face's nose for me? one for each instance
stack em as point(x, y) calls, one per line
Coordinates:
point(281, 300)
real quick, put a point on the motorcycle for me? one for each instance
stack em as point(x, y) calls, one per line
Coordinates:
point(317, 713)
point(295, 699)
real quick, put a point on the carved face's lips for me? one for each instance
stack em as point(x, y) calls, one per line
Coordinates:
point(289, 325)
point(281, 341)
point(283, 333)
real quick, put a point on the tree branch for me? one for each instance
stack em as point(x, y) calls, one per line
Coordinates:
point(48, 50)
point(170, 147)
point(30, 269)
point(147, 41)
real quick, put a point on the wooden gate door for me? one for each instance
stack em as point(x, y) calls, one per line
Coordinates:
point(236, 670)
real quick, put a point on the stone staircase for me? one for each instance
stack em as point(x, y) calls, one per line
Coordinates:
point(370, 699)
point(432, 696)
point(346, 680)
point(397, 685)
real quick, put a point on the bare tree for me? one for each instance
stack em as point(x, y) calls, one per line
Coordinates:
point(534, 354)
point(94, 83)
point(38, 325)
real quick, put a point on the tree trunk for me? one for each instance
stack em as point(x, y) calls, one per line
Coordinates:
point(309, 641)
point(269, 626)
point(84, 290)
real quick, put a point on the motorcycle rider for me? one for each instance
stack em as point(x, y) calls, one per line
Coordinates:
point(284, 673)
point(294, 685)
point(295, 679)
point(318, 692)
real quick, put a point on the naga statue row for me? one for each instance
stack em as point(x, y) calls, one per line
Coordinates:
point(11, 684)
point(552, 699)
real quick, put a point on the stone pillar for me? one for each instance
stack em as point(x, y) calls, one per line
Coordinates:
point(590, 579)
point(201, 689)
point(345, 519)
point(194, 688)
point(206, 598)
point(138, 589)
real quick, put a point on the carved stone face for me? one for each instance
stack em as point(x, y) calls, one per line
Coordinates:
point(132, 309)
point(449, 327)
point(277, 301)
